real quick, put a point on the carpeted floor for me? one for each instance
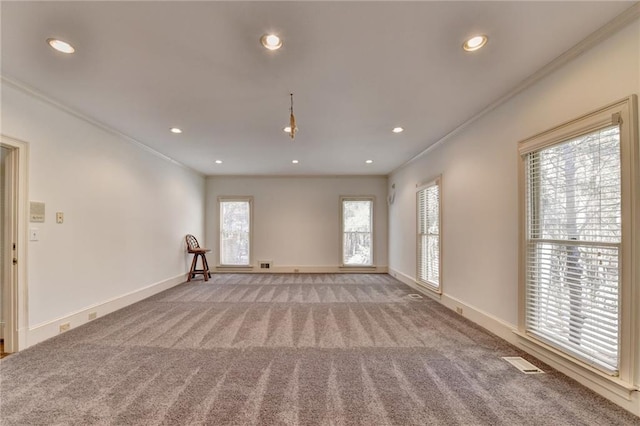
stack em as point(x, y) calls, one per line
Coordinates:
point(287, 349)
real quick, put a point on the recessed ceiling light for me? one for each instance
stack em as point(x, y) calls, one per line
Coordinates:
point(369, 161)
point(271, 41)
point(475, 43)
point(295, 161)
point(218, 161)
point(398, 130)
point(175, 130)
point(60, 45)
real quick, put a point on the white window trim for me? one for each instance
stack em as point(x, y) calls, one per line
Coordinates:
point(437, 289)
point(372, 199)
point(624, 110)
point(226, 198)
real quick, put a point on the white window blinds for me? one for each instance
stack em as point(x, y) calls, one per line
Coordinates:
point(428, 238)
point(572, 247)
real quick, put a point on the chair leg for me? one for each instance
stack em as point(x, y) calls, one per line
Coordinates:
point(193, 267)
point(205, 267)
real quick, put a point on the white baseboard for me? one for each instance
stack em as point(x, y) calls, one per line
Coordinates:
point(304, 270)
point(627, 399)
point(44, 331)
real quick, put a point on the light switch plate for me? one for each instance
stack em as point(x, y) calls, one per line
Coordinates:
point(59, 217)
point(34, 234)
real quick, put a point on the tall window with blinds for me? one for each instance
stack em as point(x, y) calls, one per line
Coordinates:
point(235, 231)
point(428, 235)
point(573, 245)
point(578, 188)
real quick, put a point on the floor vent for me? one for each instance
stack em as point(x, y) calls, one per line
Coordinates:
point(523, 365)
point(415, 296)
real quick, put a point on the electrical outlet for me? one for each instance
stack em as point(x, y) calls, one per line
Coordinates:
point(59, 217)
point(459, 310)
point(64, 327)
point(93, 315)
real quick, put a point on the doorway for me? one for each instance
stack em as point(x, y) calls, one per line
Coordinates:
point(13, 161)
point(5, 249)
point(4, 210)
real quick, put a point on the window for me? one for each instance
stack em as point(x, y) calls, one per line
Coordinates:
point(235, 230)
point(357, 231)
point(575, 232)
point(428, 238)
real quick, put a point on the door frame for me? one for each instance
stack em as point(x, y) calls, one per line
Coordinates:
point(16, 316)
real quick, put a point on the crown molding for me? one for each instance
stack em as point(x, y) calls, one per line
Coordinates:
point(595, 38)
point(47, 99)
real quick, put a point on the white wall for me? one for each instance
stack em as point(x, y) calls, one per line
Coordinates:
point(126, 212)
point(296, 219)
point(479, 185)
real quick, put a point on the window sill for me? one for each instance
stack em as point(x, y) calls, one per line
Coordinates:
point(546, 352)
point(359, 267)
point(431, 289)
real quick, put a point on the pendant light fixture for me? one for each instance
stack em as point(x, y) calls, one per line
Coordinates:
point(292, 120)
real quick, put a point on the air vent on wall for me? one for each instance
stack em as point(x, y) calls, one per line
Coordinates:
point(265, 264)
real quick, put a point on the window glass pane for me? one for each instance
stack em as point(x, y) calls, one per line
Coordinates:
point(432, 259)
point(579, 188)
point(573, 299)
point(357, 219)
point(234, 232)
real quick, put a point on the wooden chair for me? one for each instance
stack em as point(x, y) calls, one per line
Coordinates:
point(194, 247)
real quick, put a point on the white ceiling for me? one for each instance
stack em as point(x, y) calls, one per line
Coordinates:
point(357, 69)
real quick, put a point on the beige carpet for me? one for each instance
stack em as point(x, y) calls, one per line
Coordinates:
point(287, 350)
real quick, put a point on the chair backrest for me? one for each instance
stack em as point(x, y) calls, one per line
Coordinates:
point(192, 243)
